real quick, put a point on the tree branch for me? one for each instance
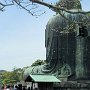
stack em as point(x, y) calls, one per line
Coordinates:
point(52, 7)
point(23, 7)
point(57, 8)
point(4, 5)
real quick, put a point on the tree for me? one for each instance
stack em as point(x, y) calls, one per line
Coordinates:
point(61, 7)
point(30, 5)
point(12, 77)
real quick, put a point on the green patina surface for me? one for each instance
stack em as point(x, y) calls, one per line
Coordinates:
point(67, 43)
point(44, 78)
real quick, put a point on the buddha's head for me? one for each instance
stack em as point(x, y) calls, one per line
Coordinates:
point(70, 4)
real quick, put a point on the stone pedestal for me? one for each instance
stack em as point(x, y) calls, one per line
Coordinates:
point(72, 85)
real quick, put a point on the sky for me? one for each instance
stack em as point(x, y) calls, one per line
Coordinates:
point(22, 37)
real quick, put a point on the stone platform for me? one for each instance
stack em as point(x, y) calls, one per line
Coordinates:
point(72, 85)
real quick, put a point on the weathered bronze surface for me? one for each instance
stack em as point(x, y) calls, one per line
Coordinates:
point(67, 45)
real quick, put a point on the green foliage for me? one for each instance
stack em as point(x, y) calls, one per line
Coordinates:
point(88, 14)
point(16, 75)
point(11, 77)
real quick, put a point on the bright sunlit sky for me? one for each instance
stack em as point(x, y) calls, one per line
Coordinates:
point(22, 37)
